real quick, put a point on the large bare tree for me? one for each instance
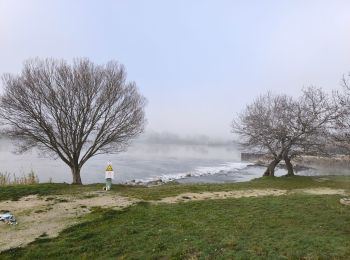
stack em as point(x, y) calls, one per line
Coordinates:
point(73, 112)
point(285, 127)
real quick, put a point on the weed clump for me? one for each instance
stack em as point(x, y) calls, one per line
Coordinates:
point(7, 178)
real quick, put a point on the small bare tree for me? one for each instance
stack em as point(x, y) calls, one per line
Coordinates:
point(73, 112)
point(285, 127)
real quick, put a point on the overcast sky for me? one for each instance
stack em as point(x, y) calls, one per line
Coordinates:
point(197, 62)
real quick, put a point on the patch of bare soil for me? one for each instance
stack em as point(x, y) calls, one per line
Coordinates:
point(321, 191)
point(47, 216)
point(247, 193)
point(345, 201)
point(222, 195)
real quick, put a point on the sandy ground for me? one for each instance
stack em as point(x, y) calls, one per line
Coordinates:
point(321, 191)
point(345, 201)
point(222, 195)
point(48, 215)
point(248, 193)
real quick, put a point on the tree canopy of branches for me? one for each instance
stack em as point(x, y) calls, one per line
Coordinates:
point(341, 131)
point(73, 112)
point(285, 127)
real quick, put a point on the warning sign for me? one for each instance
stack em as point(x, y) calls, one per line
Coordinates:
point(109, 168)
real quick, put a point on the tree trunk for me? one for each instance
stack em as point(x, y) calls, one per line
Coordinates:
point(76, 174)
point(270, 171)
point(289, 166)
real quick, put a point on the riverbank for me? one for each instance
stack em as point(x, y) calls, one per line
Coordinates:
point(179, 221)
point(250, 167)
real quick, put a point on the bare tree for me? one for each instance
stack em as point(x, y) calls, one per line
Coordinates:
point(341, 130)
point(73, 112)
point(285, 127)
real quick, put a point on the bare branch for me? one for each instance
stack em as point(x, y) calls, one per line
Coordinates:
point(72, 111)
point(285, 127)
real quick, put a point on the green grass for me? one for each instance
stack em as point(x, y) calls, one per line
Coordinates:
point(172, 189)
point(15, 192)
point(285, 227)
point(287, 183)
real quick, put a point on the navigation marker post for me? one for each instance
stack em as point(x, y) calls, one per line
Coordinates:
point(109, 175)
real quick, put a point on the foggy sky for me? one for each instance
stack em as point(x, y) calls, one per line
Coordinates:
point(197, 62)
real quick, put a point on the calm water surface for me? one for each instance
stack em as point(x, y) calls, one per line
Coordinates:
point(144, 162)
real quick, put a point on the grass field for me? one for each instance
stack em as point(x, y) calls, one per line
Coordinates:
point(14, 192)
point(295, 226)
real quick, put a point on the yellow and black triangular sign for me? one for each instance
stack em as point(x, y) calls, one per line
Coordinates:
point(109, 168)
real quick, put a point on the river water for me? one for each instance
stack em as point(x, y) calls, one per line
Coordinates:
point(143, 162)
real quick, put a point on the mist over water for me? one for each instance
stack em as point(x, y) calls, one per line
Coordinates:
point(141, 162)
point(145, 161)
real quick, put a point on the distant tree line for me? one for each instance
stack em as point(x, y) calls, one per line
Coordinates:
point(285, 127)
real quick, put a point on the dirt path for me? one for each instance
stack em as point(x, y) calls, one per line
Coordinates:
point(248, 193)
point(48, 215)
point(222, 195)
